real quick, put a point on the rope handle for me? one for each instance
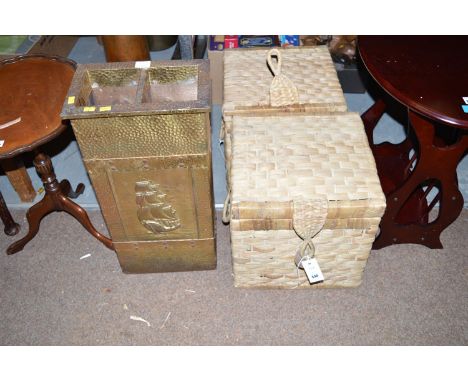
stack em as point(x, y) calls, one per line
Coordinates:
point(275, 68)
point(282, 90)
point(227, 208)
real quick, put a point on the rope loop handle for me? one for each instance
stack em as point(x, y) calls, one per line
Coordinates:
point(275, 68)
point(282, 91)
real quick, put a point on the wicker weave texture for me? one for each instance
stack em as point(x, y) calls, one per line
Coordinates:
point(302, 157)
point(247, 78)
point(265, 259)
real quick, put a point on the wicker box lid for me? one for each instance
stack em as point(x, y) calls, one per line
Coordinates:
point(306, 75)
point(277, 160)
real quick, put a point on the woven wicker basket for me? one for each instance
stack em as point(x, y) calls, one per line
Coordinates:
point(303, 79)
point(298, 178)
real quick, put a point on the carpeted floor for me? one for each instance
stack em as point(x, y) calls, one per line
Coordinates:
point(410, 295)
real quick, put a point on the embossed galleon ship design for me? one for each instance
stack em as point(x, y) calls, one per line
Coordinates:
point(154, 212)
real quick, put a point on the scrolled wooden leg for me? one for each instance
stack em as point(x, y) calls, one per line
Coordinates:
point(55, 199)
point(80, 214)
point(34, 216)
point(67, 190)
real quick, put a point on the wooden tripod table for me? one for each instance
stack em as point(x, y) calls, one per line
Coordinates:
point(428, 75)
point(32, 91)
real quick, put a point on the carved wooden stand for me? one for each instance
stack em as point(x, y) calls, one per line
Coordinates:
point(56, 198)
point(11, 227)
point(403, 178)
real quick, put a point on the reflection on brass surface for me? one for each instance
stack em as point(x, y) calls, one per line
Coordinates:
point(166, 87)
point(113, 77)
point(108, 87)
point(169, 74)
point(153, 212)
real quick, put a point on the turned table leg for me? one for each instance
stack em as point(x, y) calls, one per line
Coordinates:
point(56, 198)
point(11, 227)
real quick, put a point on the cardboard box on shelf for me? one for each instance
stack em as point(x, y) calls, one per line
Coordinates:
point(216, 42)
point(258, 41)
point(231, 41)
point(289, 40)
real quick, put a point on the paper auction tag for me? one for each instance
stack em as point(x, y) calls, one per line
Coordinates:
point(105, 108)
point(312, 270)
point(142, 64)
point(2, 141)
point(71, 100)
point(89, 108)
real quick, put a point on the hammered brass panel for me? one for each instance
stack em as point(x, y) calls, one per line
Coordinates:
point(170, 74)
point(167, 256)
point(175, 183)
point(96, 166)
point(154, 211)
point(185, 180)
point(113, 77)
point(203, 187)
point(140, 136)
point(103, 191)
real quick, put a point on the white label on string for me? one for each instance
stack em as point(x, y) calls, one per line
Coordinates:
point(465, 99)
point(312, 270)
point(142, 64)
point(2, 141)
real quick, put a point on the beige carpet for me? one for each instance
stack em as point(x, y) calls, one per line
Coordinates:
point(410, 295)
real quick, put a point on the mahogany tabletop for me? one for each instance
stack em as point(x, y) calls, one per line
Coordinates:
point(32, 91)
point(428, 74)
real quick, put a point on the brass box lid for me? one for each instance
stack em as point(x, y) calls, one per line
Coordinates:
point(138, 88)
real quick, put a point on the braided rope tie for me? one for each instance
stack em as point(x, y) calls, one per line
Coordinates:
point(308, 220)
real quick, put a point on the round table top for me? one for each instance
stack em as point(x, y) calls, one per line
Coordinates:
point(428, 74)
point(32, 92)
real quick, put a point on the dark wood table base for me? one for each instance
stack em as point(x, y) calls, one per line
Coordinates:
point(56, 198)
point(11, 227)
point(408, 178)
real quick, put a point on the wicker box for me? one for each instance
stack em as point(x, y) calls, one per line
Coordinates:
point(298, 180)
point(145, 136)
point(279, 80)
